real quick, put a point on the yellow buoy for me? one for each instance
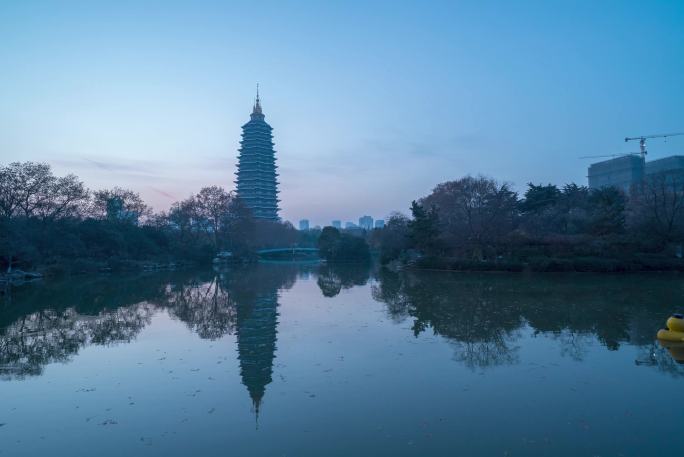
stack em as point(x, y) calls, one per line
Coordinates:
point(669, 335)
point(675, 348)
point(677, 353)
point(676, 323)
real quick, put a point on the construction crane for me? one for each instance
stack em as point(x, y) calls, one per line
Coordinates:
point(642, 140)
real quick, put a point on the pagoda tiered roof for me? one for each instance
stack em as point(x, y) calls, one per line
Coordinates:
point(256, 174)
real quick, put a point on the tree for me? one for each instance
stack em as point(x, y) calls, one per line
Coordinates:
point(607, 211)
point(274, 234)
point(216, 219)
point(423, 229)
point(28, 186)
point(574, 207)
point(475, 213)
point(119, 205)
point(239, 225)
point(342, 247)
point(30, 189)
point(393, 237)
point(657, 207)
point(211, 207)
point(351, 248)
point(540, 209)
point(538, 198)
point(67, 197)
point(328, 242)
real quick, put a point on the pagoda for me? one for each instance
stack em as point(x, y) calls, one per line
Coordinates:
point(257, 183)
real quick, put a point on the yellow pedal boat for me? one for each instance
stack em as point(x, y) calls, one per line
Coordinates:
point(669, 335)
point(676, 323)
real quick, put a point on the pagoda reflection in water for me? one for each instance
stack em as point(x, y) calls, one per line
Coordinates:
point(255, 292)
point(256, 342)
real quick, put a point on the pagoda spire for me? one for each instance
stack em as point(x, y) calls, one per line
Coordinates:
point(257, 104)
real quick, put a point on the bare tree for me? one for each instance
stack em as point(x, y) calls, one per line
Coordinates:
point(211, 206)
point(474, 212)
point(119, 204)
point(30, 189)
point(658, 207)
point(67, 197)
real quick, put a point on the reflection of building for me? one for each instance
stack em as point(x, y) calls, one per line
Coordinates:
point(256, 173)
point(304, 224)
point(626, 171)
point(254, 293)
point(380, 223)
point(256, 340)
point(366, 222)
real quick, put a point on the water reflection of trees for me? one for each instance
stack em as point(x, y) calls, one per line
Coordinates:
point(481, 334)
point(333, 278)
point(51, 322)
point(36, 339)
point(204, 305)
point(484, 315)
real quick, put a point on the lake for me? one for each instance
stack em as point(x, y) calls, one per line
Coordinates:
point(323, 360)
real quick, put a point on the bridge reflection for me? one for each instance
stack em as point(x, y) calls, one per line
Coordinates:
point(288, 253)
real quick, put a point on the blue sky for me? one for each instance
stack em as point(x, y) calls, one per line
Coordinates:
point(372, 103)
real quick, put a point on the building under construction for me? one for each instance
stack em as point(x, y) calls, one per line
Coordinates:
point(626, 171)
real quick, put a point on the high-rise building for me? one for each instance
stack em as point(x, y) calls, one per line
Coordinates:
point(629, 170)
point(366, 222)
point(621, 172)
point(337, 224)
point(350, 225)
point(379, 223)
point(671, 167)
point(304, 224)
point(257, 180)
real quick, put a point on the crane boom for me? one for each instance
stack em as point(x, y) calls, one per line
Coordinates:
point(664, 135)
point(642, 140)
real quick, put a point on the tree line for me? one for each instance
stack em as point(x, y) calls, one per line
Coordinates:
point(58, 224)
point(480, 223)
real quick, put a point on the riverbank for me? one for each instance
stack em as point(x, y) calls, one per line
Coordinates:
point(19, 277)
point(114, 265)
point(638, 263)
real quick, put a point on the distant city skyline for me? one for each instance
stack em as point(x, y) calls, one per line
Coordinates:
point(365, 222)
point(372, 103)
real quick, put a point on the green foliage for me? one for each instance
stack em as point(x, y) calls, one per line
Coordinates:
point(55, 224)
point(335, 246)
point(474, 223)
point(393, 238)
point(607, 207)
point(474, 215)
point(328, 242)
point(538, 198)
point(423, 228)
point(447, 263)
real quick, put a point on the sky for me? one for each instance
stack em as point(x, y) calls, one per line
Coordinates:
point(372, 103)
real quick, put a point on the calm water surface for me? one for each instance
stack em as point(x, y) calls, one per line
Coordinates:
point(311, 360)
